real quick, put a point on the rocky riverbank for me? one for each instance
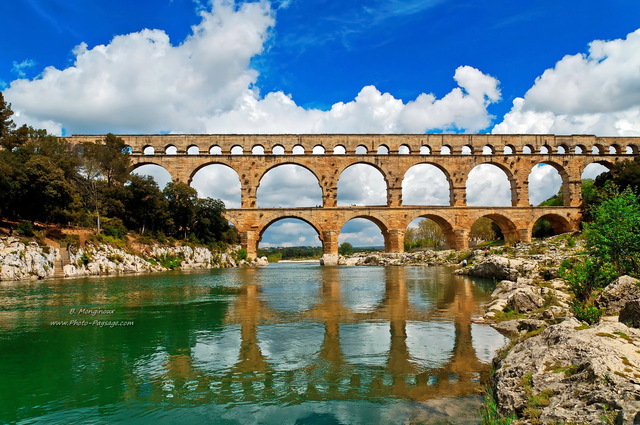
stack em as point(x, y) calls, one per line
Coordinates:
point(21, 260)
point(557, 369)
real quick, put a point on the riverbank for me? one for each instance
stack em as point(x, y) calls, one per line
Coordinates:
point(557, 369)
point(21, 259)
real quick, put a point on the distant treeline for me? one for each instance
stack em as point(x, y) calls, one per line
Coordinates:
point(45, 178)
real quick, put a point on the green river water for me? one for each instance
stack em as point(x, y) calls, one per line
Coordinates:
point(292, 343)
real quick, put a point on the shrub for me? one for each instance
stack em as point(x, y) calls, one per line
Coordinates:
point(587, 312)
point(116, 228)
point(242, 254)
point(25, 228)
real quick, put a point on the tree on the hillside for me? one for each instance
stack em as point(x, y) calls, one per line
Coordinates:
point(627, 174)
point(182, 206)
point(210, 223)
point(146, 208)
point(486, 229)
point(109, 158)
point(612, 238)
point(10, 137)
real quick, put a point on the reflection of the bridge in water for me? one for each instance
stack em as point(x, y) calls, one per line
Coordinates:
point(394, 349)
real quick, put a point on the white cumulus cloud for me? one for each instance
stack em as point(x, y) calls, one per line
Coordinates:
point(595, 93)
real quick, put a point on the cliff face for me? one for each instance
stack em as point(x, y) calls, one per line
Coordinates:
point(30, 261)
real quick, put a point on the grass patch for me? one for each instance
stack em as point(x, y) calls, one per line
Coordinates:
point(605, 335)
point(489, 410)
point(623, 335)
point(581, 327)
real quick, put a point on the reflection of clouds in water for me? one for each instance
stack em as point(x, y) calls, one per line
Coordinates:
point(291, 294)
point(362, 288)
point(290, 346)
point(219, 351)
point(430, 344)
point(365, 343)
point(486, 341)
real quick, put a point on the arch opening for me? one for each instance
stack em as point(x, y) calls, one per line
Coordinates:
point(257, 150)
point(631, 150)
point(466, 150)
point(550, 225)
point(278, 150)
point(237, 150)
point(492, 229)
point(488, 150)
point(593, 170)
point(545, 150)
point(361, 150)
point(425, 150)
point(382, 150)
point(546, 186)
point(562, 149)
point(339, 150)
point(215, 150)
point(508, 150)
point(218, 181)
point(193, 150)
point(428, 232)
point(298, 150)
point(148, 150)
point(426, 184)
point(489, 186)
point(363, 233)
point(404, 150)
point(445, 150)
point(288, 186)
point(362, 184)
point(159, 174)
point(287, 232)
point(527, 149)
point(171, 150)
point(318, 150)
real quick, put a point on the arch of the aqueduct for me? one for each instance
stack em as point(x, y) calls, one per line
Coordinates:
point(516, 155)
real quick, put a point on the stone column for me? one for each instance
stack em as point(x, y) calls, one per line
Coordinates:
point(524, 235)
point(572, 193)
point(330, 247)
point(395, 240)
point(249, 241)
point(460, 239)
point(248, 196)
point(520, 192)
point(394, 196)
point(458, 196)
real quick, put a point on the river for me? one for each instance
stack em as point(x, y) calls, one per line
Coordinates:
point(286, 344)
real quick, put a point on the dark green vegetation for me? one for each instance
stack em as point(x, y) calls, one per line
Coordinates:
point(276, 254)
point(43, 178)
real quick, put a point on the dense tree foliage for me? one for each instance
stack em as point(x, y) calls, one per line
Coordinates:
point(428, 234)
point(45, 178)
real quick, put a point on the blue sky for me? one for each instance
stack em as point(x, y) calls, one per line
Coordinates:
point(297, 66)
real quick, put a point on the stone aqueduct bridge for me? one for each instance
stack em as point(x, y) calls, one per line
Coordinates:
point(326, 156)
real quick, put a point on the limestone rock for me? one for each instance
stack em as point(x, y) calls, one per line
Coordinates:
point(630, 314)
point(500, 268)
point(572, 373)
point(614, 297)
point(524, 300)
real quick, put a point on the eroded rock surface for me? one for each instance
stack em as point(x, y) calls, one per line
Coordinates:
point(614, 297)
point(567, 374)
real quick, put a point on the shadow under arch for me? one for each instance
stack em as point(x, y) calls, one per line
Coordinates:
point(558, 223)
point(507, 227)
point(445, 227)
point(407, 195)
point(513, 190)
point(566, 194)
point(344, 185)
point(273, 185)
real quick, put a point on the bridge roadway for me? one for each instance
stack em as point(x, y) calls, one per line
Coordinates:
point(327, 156)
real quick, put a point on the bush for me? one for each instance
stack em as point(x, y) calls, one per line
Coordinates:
point(587, 312)
point(116, 228)
point(242, 254)
point(25, 228)
point(345, 249)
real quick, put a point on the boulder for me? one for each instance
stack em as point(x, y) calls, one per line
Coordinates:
point(630, 314)
point(500, 268)
point(524, 300)
point(568, 374)
point(614, 297)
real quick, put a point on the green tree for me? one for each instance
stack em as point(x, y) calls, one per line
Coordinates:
point(10, 137)
point(210, 223)
point(182, 206)
point(613, 235)
point(146, 208)
point(345, 248)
